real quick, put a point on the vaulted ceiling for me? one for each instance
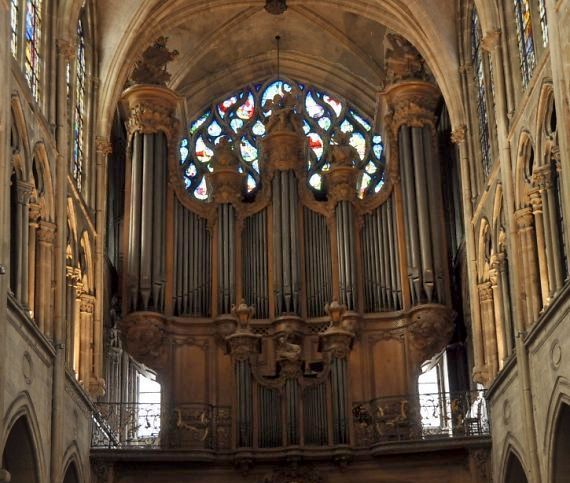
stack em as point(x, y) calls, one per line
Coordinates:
point(224, 44)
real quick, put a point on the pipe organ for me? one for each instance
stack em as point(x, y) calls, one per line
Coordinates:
point(286, 308)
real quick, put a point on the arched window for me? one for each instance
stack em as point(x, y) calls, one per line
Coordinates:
point(543, 22)
point(32, 45)
point(525, 39)
point(78, 155)
point(480, 84)
point(241, 117)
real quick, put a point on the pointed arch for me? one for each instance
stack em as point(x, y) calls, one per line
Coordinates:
point(523, 168)
point(483, 249)
point(73, 465)
point(512, 454)
point(24, 152)
point(45, 192)
point(22, 407)
point(88, 268)
point(559, 403)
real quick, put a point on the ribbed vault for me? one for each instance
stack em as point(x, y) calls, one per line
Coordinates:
point(227, 43)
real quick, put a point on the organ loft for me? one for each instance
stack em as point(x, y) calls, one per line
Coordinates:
point(271, 241)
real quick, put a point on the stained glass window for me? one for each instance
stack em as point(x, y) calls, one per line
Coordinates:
point(241, 118)
point(32, 42)
point(543, 22)
point(525, 39)
point(79, 109)
point(480, 85)
point(14, 21)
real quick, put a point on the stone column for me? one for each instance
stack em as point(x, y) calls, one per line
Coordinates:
point(32, 242)
point(496, 276)
point(153, 136)
point(489, 330)
point(44, 277)
point(86, 309)
point(536, 203)
point(23, 193)
point(529, 282)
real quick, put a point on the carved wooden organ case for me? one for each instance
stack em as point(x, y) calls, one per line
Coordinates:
point(284, 312)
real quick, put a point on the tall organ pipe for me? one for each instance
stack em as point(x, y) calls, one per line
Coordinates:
point(254, 256)
point(146, 260)
point(345, 239)
point(318, 270)
point(192, 271)
point(382, 285)
point(285, 243)
point(226, 265)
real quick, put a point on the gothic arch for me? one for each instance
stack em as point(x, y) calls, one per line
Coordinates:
point(525, 162)
point(484, 249)
point(73, 467)
point(40, 163)
point(558, 407)
point(22, 159)
point(545, 136)
point(512, 453)
point(497, 213)
point(22, 407)
point(88, 269)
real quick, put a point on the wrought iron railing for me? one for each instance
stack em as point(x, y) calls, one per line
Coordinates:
point(420, 417)
point(150, 425)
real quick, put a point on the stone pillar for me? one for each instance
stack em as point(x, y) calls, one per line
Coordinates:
point(489, 330)
point(224, 186)
point(44, 277)
point(86, 309)
point(529, 277)
point(34, 217)
point(536, 203)
point(496, 278)
point(23, 193)
point(153, 136)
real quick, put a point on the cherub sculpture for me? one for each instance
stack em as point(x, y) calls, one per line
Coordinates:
point(284, 113)
point(342, 153)
point(287, 350)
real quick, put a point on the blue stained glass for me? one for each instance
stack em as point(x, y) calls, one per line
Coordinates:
point(313, 109)
point(198, 123)
point(244, 113)
point(214, 129)
point(377, 148)
point(248, 151)
point(361, 121)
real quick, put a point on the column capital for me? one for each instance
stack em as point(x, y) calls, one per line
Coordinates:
point(490, 40)
point(524, 218)
point(86, 303)
point(151, 109)
point(23, 191)
point(413, 103)
point(536, 201)
point(46, 232)
point(542, 177)
point(35, 212)
point(458, 134)
point(485, 292)
point(66, 48)
point(103, 146)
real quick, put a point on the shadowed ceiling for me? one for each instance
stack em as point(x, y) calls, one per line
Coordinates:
point(225, 44)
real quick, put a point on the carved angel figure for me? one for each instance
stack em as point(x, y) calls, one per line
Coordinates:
point(287, 350)
point(224, 155)
point(284, 115)
point(151, 69)
point(342, 153)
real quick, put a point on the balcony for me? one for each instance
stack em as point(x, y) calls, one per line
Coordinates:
point(206, 433)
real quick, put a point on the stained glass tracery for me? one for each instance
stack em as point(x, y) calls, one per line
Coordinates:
point(525, 39)
point(543, 21)
point(480, 84)
point(32, 43)
point(14, 17)
point(79, 109)
point(241, 117)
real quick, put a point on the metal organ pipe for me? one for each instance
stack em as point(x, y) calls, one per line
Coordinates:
point(254, 256)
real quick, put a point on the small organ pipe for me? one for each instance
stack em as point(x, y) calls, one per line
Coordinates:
point(146, 216)
point(134, 245)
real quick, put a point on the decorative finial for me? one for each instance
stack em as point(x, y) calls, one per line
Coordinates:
point(151, 69)
point(276, 7)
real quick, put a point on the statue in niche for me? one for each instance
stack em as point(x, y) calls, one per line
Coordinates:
point(404, 62)
point(151, 69)
point(286, 350)
point(284, 113)
point(342, 153)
